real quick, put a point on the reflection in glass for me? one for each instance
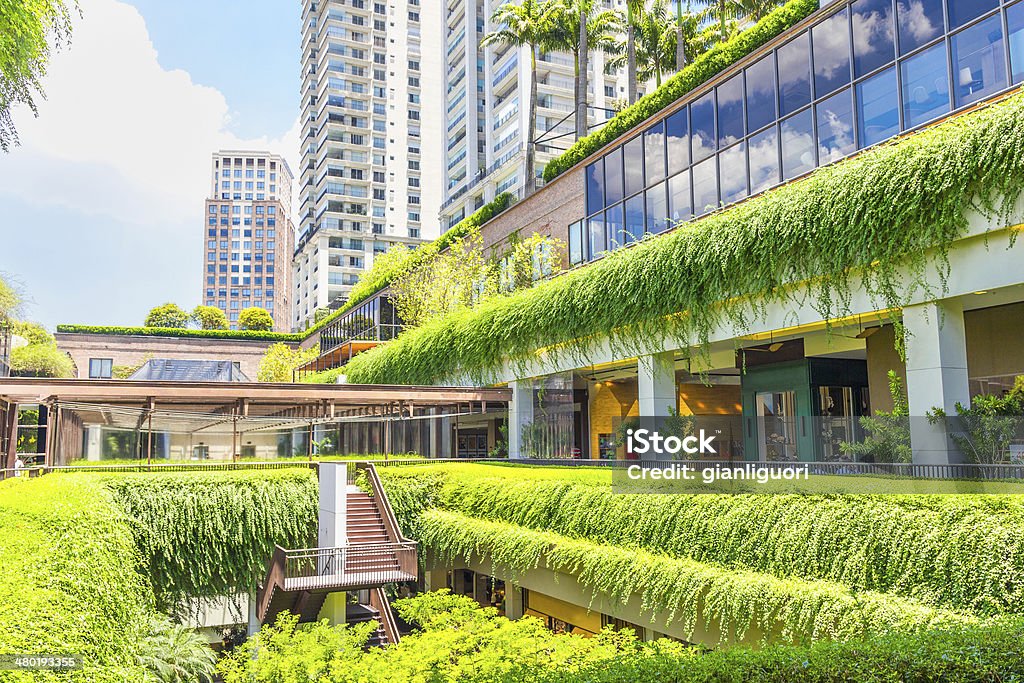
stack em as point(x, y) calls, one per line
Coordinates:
point(654, 152)
point(760, 93)
point(595, 186)
point(797, 145)
point(633, 162)
point(576, 242)
point(963, 11)
point(634, 218)
point(613, 176)
point(873, 44)
point(657, 209)
point(919, 22)
point(679, 205)
point(677, 139)
point(730, 111)
point(764, 160)
point(705, 187)
point(615, 227)
point(979, 67)
point(831, 43)
point(794, 75)
point(702, 126)
point(925, 88)
point(732, 172)
point(598, 241)
point(776, 417)
point(835, 127)
point(878, 116)
point(1015, 28)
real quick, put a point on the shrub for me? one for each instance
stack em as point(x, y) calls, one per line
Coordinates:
point(168, 315)
point(280, 360)
point(42, 360)
point(256, 319)
point(33, 333)
point(181, 332)
point(210, 318)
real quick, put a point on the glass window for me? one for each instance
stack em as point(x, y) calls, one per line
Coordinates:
point(654, 152)
point(576, 243)
point(920, 21)
point(598, 241)
point(595, 186)
point(657, 209)
point(732, 173)
point(797, 145)
point(761, 93)
point(702, 126)
point(613, 177)
point(677, 139)
point(873, 44)
point(794, 75)
point(679, 197)
point(634, 219)
point(979, 66)
point(925, 88)
point(705, 187)
point(963, 11)
point(763, 150)
point(835, 127)
point(633, 162)
point(831, 42)
point(1015, 28)
point(878, 115)
point(615, 227)
point(101, 368)
point(730, 111)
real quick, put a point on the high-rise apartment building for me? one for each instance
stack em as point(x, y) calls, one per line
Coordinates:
point(371, 152)
point(249, 235)
point(487, 94)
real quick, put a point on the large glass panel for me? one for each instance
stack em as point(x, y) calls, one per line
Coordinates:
point(730, 111)
point(654, 152)
point(1015, 28)
point(797, 145)
point(598, 240)
point(595, 186)
point(705, 187)
point(615, 226)
point(732, 172)
point(925, 86)
point(679, 205)
point(979, 66)
point(702, 126)
point(576, 242)
point(634, 219)
point(764, 160)
point(878, 116)
point(677, 139)
point(633, 162)
point(835, 127)
point(831, 42)
point(920, 21)
point(657, 209)
point(776, 416)
point(873, 44)
point(794, 75)
point(963, 11)
point(613, 177)
point(761, 93)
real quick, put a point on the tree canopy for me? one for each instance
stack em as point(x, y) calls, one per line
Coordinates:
point(210, 318)
point(168, 315)
point(255, 318)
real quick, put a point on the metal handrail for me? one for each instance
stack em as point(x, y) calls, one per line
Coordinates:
point(349, 566)
point(379, 601)
point(394, 531)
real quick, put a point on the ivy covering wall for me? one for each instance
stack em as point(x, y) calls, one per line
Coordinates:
point(886, 217)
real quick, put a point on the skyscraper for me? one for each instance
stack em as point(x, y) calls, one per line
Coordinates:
point(371, 165)
point(249, 235)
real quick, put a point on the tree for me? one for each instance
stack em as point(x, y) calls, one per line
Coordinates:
point(529, 24)
point(169, 315)
point(984, 429)
point(33, 333)
point(655, 49)
point(42, 360)
point(173, 653)
point(255, 318)
point(280, 360)
point(634, 8)
point(26, 32)
point(10, 301)
point(888, 433)
point(210, 318)
point(754, 10)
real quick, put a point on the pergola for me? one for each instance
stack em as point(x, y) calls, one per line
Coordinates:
point(68, 406)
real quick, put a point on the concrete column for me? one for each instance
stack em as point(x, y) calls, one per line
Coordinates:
point(331, 531)
point(520, 414)
point(936, 375)
point(254, 623)
point(93, 442)
point(513, 600)
point(435, 579)
point(656, 383)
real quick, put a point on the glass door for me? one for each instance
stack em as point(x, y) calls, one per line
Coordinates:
point(838, 421)
point(776, 420)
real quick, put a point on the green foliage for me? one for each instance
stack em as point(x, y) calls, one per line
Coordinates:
point(33, 333)
point(42, 360)
point(888, 432)
point(181, 332)
point(168, 315)
point(172, 653)
point(209, 318)
point(256, 319)
point(281, 359)
point(10, 301)
point(703, 68)
point(210, 534)
point(323, 376)
point(984, 431)
point(68, 579)
point(884, 220)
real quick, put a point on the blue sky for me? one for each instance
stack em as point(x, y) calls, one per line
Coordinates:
point(101, 207)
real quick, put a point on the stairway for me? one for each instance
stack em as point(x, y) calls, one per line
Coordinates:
point(359, 614)
point(363, 521)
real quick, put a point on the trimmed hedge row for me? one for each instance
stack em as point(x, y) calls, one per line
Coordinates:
point(703, 68)
point(182, 332)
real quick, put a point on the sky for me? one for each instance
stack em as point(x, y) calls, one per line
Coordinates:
point(101, 206)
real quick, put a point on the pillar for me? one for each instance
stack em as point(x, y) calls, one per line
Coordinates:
point(656, 384)
point(331, 531)
point(513, 600)
point(520, 414)
point(936, 375)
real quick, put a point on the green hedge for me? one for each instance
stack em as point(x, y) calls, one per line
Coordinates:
point(888, 215)
point(182, 332)
point(703, 68)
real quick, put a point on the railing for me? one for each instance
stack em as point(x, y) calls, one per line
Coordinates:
point(344, 567)
point(273, 579)
point(379, 602)
point(180, 467)
point(381, 497)
point(21, 472)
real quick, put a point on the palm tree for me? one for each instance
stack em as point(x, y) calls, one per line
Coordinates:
point(176, 654)
point(754, 10)
point(688, 40)
point(528, 24)
point(634, 8)
point(654, 48)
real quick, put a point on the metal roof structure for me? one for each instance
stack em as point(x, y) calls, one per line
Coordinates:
point(177, 370)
